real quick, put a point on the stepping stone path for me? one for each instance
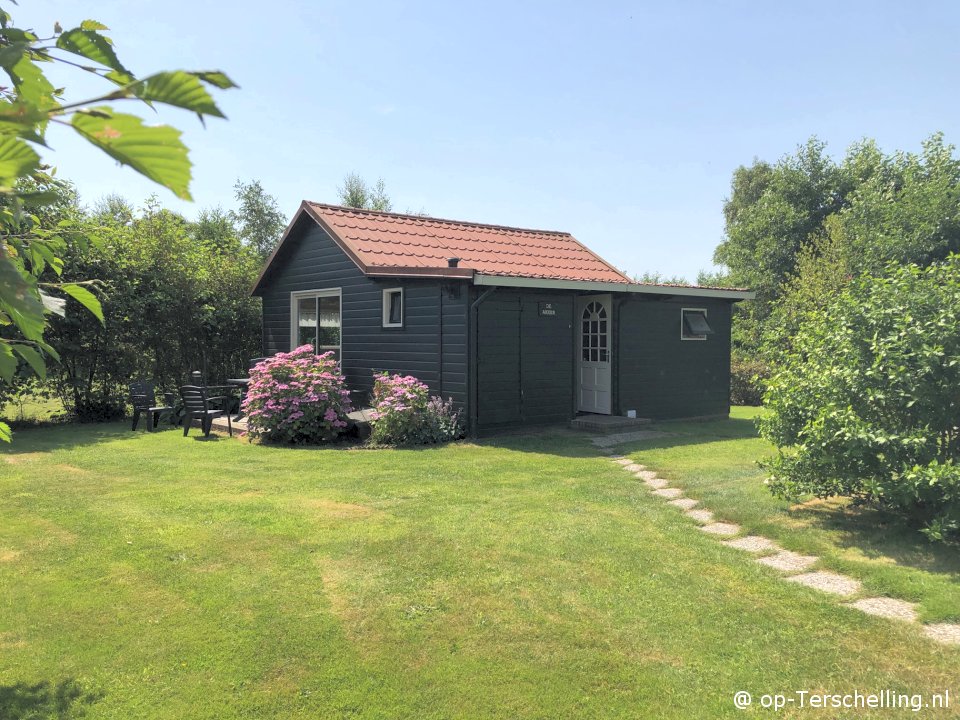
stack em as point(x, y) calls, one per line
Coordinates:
point(721, 528)
point(943, 633)
point(788, 561)
point(752, 543)
point(656, 483)
point(828, 582)
point(701, 516)
point(783, 560)
point(669, 493)
point(887, 608)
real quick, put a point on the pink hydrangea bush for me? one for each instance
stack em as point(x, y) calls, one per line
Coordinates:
point(404, 413)
point(297, 397)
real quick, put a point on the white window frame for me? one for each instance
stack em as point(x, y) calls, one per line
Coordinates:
point(684, 311)
point(295, 297)
point(385, 317)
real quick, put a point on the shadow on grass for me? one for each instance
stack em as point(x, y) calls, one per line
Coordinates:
point(61, 700)
point(61, 437)
point(879, 533)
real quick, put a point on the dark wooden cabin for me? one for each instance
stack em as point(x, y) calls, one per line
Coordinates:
point(517, 326)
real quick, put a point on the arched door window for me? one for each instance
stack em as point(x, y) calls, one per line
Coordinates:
point(594, 333)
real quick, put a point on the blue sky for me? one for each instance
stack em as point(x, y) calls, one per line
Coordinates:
point(618, 122)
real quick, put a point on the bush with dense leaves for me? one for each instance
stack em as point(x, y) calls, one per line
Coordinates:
point(297, 397)
point(405, 414)
point(746, 380)
point(865, 402)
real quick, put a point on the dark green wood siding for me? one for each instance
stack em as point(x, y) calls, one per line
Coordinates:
point(430, 346)
point(524, 359)
point(661, 376)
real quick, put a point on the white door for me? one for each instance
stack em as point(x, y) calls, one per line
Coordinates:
point(593, 359)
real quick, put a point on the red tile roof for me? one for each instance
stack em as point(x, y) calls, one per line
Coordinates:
point(388, 243)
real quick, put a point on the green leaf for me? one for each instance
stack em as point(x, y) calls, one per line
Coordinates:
point(154, 151)
point(8, 361)
point(10, 55)
point(216, 78)
point(17, 160)
point(85, 298)
point(48, 350)
point(93, 46)
point(33, 359)
point(180, 89)
point(5, 434)
point(19, 300)
point(32, 86)
point(92, 25)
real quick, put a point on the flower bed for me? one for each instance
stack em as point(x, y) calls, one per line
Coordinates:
point(297, 397)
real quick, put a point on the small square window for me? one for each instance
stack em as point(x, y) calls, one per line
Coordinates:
point(393, 308)
point(694, 325)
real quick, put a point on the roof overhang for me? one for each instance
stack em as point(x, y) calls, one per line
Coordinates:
point(641, 288)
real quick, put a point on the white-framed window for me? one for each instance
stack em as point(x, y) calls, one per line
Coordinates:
point(315, 319)
point(693, 324)
point(393, 308)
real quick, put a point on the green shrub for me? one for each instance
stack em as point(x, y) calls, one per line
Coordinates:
point(746, 380)
point(865, 402)
point(405, 414)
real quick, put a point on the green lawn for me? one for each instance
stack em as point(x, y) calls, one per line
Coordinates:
point(153, 576)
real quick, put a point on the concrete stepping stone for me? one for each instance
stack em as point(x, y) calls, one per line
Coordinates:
point(701, 516)
point(721, 528)
point(828, 582)
point(646, 474)
point(945, 633)
point(620, 460)
point(654, 482)
point(669, 493)
point(684, 503)
point(753, 543)
point(633, 467)
point(887, 608)
point(788, 561)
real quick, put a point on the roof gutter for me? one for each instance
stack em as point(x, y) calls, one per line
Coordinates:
point(590, 286)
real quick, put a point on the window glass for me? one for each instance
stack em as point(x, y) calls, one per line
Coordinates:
point(307, 321)
point(328, 331)
point(396, 308)
point(694, 325)
point(593, 334)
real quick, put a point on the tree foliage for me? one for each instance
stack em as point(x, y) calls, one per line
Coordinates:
point(28, 105)
point(865, 401)
point(258, 220)
point(357, 193)
point(176, 295)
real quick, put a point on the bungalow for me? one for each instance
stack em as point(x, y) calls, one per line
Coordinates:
point(517, 326)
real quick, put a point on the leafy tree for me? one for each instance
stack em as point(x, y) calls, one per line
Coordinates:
point(259, 220)
point(656, 278)
point(356, 193)
point(176, 294)
point(27, 107)
point(864, 402)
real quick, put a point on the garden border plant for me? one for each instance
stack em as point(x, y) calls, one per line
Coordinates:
point(865, 403)
point(297, 397)
point(404, 413)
